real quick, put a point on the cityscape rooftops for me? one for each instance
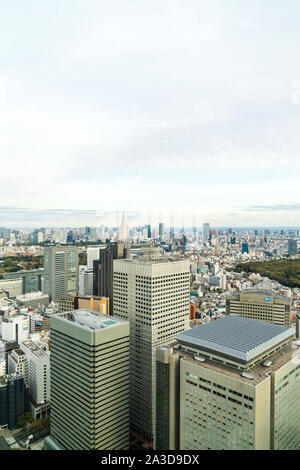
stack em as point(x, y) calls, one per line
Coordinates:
point(240, 339)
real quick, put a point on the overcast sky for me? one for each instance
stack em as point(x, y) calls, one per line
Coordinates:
point(150, 105)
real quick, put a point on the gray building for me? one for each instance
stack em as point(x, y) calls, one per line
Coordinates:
point(32, 280)
point(60, 271)
point(292, 247)
point(231, 384)
point(152, 292)
point(89, 373)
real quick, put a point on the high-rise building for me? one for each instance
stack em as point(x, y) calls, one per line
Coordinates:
point(206, 231)
point(39, 371)
point(292, 247)
point(93, 253)
point(14, 400)
point(161, 230)
point(85, 281)
point(124, 232)
point(89, 382)
point(231, 384)
point(60, 271)
point(103, 269)
point(245, 248)
point(260, 304)
point(151, 292)
point(18, 364)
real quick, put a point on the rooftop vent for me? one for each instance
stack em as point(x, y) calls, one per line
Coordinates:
point(199, 358)
point(267, 363)
point(247, 375)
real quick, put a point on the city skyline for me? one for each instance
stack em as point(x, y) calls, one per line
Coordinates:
point(203, 114)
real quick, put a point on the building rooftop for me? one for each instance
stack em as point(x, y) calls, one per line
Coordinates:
point(90, 319)
point(238, 338)
point(34, 348)
point(291, 352)
point(263, 292)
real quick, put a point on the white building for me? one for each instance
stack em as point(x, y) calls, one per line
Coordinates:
point(18, 364)
point(16, 328)
point(39, 372)
point(85, 281)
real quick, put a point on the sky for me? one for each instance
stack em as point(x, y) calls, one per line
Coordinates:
point(150, 106)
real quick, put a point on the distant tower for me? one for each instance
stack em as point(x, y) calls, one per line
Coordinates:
point(124, 232)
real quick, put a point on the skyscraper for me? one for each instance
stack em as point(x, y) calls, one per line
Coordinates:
point(103, 269)
point(292, 247)
point(89, 382)
point(161, 229)
point(230, 384)
point(60, 271)
point(245, 248)
point(206, 231)
point(151, 292)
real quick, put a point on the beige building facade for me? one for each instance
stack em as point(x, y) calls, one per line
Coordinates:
point(203, 404)
point(260, 304)
point(152, 293)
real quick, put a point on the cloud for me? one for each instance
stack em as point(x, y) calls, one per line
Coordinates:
point(148, 105)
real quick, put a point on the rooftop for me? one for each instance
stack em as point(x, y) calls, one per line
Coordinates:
point(259, 372)
point(263, 292)
point(90, 319)
point(32, 347)
point(242, 339)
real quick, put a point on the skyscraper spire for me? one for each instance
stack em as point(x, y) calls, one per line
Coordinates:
point(124, 232)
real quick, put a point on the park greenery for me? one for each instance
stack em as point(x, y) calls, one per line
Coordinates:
point(285, 271)
point(11, 264)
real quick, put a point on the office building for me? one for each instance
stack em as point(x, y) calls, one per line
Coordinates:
point(206, 231)
point(245, 248)
point(231, 384)
point(89, 382)
point(18, 364)
point(161, 230)
point(103, 269)
point(292, 247)
point(93, 254)
point(33, 299)
point(85, 281)
point(151, 292)
point(39, 371)
point(14, 400)
point(32, 280)
point(97, 304)
point(260, 304)
point(39, 378)
point(16, 328)
point(12, 287)
point(60, 271)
